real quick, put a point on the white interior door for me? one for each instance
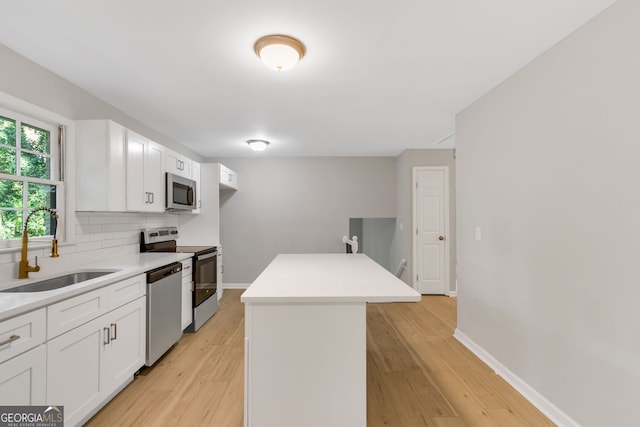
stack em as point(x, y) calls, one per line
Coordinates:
point(431, 214)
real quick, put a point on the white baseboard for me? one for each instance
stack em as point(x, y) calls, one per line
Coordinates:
point(532, 395)
point(235, 285)
point(452, 294)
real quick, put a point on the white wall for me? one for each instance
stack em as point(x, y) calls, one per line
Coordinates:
point(548, 168)
point(298, 205)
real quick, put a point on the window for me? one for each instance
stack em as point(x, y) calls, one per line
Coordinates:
point(29, 178)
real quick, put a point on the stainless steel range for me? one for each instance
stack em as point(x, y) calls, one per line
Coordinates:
point(205, 270)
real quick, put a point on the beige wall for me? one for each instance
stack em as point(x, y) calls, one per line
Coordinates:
point(298, 205)
point(548, 168)
point(403, 242)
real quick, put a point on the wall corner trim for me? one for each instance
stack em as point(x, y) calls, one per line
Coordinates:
point(532, 395)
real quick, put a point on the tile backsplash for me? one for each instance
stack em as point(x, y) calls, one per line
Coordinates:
point(99, 235)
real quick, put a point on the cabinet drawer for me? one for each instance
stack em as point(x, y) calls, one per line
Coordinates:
point(126, 291)
point(22, 333)
point(187, 268)
point(75, 311)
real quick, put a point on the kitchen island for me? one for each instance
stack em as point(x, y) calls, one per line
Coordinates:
point(305, 339)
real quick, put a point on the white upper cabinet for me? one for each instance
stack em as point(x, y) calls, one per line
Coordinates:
point(100, 154)
point(228, 178)
point(195, 175)
point(119, 170)
point(177, 164)
point(145, 174)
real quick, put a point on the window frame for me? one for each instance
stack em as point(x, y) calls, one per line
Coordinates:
point(55, 164)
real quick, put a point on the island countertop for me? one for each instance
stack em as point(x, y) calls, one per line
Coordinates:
point(327, 278)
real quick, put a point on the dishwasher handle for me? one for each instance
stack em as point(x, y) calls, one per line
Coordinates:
point(162, 272)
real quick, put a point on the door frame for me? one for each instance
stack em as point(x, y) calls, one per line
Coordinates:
point(447, 248)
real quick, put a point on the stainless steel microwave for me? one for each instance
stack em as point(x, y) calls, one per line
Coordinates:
point(181, 193)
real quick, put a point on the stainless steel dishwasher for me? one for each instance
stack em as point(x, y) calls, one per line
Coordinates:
point(164, 318)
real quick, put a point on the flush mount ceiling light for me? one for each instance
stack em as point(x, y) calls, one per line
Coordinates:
point(257, 144)
point(278, 51)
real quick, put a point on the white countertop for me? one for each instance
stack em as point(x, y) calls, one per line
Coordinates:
point(13, 304)
point(327, 278)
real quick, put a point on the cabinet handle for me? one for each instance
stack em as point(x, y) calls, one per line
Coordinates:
point(153, 198)
point(9, 340)
point(199, 204)
point(107, 336)
point(115, 331)
point(147, 198)
point(177, 164)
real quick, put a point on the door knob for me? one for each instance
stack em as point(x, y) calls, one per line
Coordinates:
point(441, 238)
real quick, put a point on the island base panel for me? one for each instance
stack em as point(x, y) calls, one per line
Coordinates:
point(305, 365)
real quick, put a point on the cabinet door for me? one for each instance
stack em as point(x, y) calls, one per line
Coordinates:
point(138, 198)
point(172, 162)
point(125, 353)
point(176, 164)
point(23, 378)
point(73, 370)
point(145, 174)
point(195, 175)
point(228, 178)
point(100, 154)
point(187, 168)
point(154, 178)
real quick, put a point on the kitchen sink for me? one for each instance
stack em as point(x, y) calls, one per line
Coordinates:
point(60, 281)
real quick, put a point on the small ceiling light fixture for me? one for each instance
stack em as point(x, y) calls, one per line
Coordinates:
point(278, 51)
point(257, 144)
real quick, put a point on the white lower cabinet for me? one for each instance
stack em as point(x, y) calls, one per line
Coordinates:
point(73, 371)
point(187, 294)
point(78, 352)
point(88, 362)
point(86, 365)
point(125, 353)
point(22, 379)
point(23, 359)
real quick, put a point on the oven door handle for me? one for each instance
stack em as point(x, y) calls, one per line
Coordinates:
point(206, 256)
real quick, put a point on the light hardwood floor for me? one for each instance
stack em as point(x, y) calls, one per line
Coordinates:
point(417, 375)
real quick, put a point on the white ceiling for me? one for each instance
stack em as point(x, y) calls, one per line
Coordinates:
point(379, 76)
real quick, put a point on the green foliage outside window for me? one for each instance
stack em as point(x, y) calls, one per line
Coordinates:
point(31, 159)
